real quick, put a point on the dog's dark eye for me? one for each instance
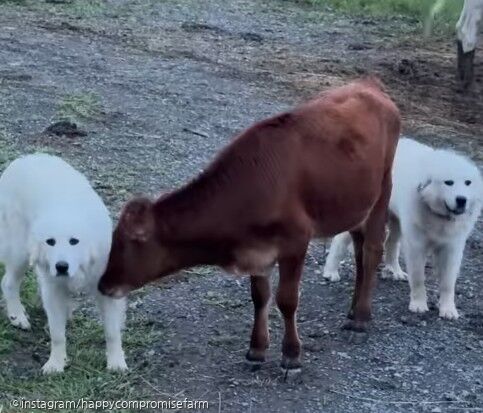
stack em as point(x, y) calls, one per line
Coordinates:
point(449, 183)
point(50, 242)
point(468, 183)
point(73, 241)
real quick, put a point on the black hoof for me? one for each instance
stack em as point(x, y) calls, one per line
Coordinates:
point(357, 326)
point(255, 356)
point(292, 364)
point(355, 332)
point(354, 337)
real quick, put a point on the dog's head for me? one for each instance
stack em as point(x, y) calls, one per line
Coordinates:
point(60, 248)
point(453, 186)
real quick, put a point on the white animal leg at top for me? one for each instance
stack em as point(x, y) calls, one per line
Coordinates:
point(337, 251)
point(113, 313)
point(392, 268)
point(11, 281)
point(467, 25)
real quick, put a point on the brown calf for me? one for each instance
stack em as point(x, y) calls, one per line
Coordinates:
point(320, 169)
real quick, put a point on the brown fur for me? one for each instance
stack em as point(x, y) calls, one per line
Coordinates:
point(315, 171)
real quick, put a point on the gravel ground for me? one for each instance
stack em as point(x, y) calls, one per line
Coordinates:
point(175, 81)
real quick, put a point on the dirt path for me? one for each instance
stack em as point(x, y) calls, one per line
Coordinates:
point(176, 80)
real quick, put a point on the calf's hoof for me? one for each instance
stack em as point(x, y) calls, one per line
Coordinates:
point(355, 332)
point(291, 365)
point(356, 325)
point(255, 356)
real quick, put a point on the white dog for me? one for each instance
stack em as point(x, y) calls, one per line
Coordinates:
point(435, 202)
point(52, 219)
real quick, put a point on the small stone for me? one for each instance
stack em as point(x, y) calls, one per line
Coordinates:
point(436, 410)
point(343, 355)
point(450, 396)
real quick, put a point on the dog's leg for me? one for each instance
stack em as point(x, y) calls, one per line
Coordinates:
point(415, 258)
point(392, 269)
point(56, 304)
point(338, 248)
point(11, 282)
point(448, 262)
point(113, 314)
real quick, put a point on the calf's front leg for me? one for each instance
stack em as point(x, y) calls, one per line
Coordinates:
point(261, 293)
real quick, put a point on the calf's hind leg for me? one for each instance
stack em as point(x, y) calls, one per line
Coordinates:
point(261, 293)
point(287, 300)
point(368, 247)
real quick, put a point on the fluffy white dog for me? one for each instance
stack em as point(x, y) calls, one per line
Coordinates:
point(435, 203)
point(52, 219)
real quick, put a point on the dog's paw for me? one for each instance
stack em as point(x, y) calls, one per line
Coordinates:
point(53, 366)
point(332, 276)
point(418, 306)
point(117, 364)
point(448, 311)
point(20, 320)
point(392, 273)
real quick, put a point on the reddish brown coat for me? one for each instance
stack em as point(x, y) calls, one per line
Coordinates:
point(315, 171)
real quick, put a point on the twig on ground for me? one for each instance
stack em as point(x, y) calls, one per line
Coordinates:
point(204, 135)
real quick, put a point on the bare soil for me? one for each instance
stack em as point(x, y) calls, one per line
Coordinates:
point(178, 79)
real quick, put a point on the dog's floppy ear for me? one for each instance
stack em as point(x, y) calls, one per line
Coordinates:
point(137, 219)
point(424, 184)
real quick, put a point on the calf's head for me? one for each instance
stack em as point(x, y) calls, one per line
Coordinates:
point(136, 254)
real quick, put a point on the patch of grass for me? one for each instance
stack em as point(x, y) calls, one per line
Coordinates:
point(7, 152)
point(419, 10)
point(85, 8)
point(22, 354)
point(80, 107)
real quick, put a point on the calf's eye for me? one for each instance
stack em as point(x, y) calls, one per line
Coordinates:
point(73, 241)
point(468, 183)
point(449, 183)
point(50, 242)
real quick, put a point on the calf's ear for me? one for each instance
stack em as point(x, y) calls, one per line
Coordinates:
point(137, 219)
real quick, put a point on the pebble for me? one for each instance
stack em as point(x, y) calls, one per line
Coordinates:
point(450, 396)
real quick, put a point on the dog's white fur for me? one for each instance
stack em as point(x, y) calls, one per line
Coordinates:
point(43, 198)
point(423, 209)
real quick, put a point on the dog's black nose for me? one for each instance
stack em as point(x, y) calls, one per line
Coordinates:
point(460, 202)
point(62, 268)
